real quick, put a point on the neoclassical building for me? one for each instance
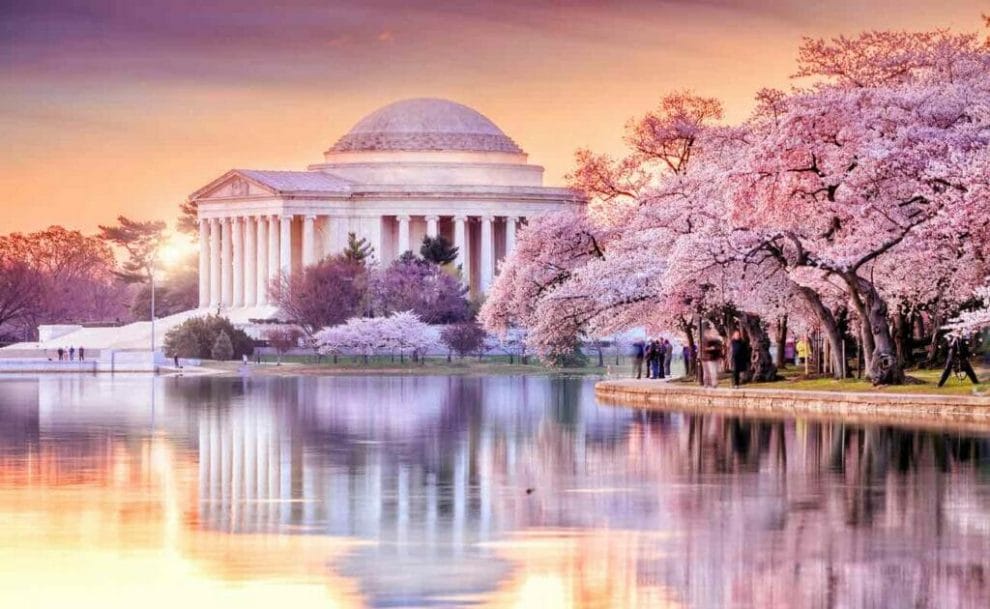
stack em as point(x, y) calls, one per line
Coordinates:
point(412, 168)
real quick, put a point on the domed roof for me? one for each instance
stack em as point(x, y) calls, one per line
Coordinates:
point(425, 124)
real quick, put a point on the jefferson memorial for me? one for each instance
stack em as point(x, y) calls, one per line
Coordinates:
point(412, 168)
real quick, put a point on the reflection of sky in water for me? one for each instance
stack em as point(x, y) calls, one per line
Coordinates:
point(468, 491)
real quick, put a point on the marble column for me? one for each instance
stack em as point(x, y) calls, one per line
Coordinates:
point(250, 258)
point(273, 249)
point(226, 283)
point(510, 234)
point(403, 234)
point(487, 254)
point(461, 243)
point(214, 263)
point(261, 260)
point(432, 226)
point(309, 240)
point(237, 240)
point(285, 245)
point(204, 263)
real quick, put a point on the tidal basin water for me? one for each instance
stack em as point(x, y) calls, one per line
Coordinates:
point(469, 492)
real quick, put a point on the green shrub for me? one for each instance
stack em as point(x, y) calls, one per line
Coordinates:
point(196, 338)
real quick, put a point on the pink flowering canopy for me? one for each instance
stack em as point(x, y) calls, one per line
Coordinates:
point(865, 189)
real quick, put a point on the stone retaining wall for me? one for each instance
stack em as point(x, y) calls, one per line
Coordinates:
point(853, 407)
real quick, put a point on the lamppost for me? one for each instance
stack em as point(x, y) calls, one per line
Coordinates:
point(151, 276)
point(152, 261)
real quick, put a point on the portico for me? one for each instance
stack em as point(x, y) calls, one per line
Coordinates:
point(411, 169)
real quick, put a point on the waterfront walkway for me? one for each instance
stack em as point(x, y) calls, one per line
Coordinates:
point(969, 411)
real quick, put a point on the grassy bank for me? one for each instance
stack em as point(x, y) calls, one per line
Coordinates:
point(919, 382)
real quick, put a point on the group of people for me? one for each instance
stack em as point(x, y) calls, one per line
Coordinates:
point(656, 354)
point(70, 354)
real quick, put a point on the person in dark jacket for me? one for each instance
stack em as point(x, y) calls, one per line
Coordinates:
point(639, 353)
point(738, 357)
point(661, 356)
point(654, 359)
point(958, 359)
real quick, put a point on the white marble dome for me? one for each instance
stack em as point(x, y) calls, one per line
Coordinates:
point(425, 124)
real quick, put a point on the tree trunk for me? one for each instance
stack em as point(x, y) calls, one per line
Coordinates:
point(884, 368)
point(781, 340)
point(762, 367)
point(933, 344)
point(902, 339)
point(866, 342)
point(827, 319)
point(866, 333)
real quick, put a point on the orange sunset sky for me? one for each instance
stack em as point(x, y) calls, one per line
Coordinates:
point(126, 107)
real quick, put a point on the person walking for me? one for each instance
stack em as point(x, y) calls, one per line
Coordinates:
point(639, 352)
point(687, 354)
point(72, 353)
point(61, 354)
point(739, 357)
point(82, 353)
point(668, 355)
point(711, 361)
point(958, 359)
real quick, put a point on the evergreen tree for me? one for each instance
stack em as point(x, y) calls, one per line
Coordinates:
point(438, 250)
point(223, 349)
point(357, 250)
point(141, 241)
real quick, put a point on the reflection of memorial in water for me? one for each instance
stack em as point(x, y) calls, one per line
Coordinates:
point(424, 467)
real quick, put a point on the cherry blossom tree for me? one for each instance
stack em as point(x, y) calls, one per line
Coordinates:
point(463, 338)
point(322, 295)
point(401, 332)
point(968, 322)
point(57, 276)
point(850, 171)
point(420, 286)
point(283, 339)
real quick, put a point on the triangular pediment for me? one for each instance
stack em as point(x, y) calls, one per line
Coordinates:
point(233, 185)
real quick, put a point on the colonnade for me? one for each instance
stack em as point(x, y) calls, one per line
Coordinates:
point(240, 256)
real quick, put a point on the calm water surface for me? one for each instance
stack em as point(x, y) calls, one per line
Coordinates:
point(469, 492)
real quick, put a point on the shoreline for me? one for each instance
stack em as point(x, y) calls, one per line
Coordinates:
point(971, 412)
